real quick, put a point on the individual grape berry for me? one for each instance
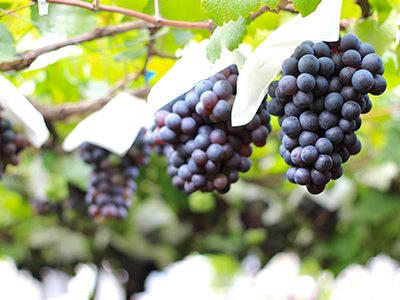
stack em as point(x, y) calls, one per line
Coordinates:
point(349, 41)
point(379, 85)
point(350, 110)
point(321, 50)
point(289, 67)
point(346, 74)
point(302, 50)
point(302, 99)
point(291, 126)
point(326, 66)
point(305, 82)
point(351, 58)
point(372, 62)
point(362, 81)
point(302, 176)
point(288, 85)
point(308, 64)
point(333, 102)
point(223, 89)
point(202, 86)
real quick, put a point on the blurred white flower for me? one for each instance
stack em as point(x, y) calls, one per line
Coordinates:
point(378, 279)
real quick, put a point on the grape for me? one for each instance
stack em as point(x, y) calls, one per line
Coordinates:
point(290, 142)
point(337, 60)
point(334, 134)
point(215, 152)
point(302, 99)
point(350, 110)
point(349, 41)
point(218, 136)
point(281, 97)
point(321, 50)
point(379, 85)
point(326, 66)
point(223, 89)
point(199, 180)
point(318, 105)
point(272, 87)
point(295, 156)
point(275, 107)
point(320, 178)
point(173, 121)
point(309, 154)
point(362, 81)
point(309, 121)
point(333, 102)
point(302, 50)
point(351, 58)
point(349, 139)
point(202, 86)
point(167, 135)
point(184, 172)
point(291, 109)
point(289, 67)
point(112, 178)
point(291, 126)
point(324, 146)
point(321, 86)
point(201, 110)
point(160, 116)
point(288, 85)
point(222, 110)
point(308, 64)
point(302, 176)
point(245, 165)
point(326, 119)
point(334, 84)
point(202, 141)
point(305, 82)
point(199, 157)
point(191, 99)
point(372, 62)
point(307, 138)
point(188, 125)
point(181, 109)
point(365, 49)
point(346, 74)
point(209, 99)
point(290, 174)
point(349, 93)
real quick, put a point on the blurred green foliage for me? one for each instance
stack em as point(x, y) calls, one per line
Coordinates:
point(43, 219)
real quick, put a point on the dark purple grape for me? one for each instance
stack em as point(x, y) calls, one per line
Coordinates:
point(173, 121)
point(289, 67)
point(308, 64)
point(350, 110)
point(181, 109)
point(351, 58)
point(334, 134)
point(321, 49)
point(223, 89)
point(349, 41)
point(372, 62)
point(363, 81)
point(209, 99)
point(333, 102)
point(302, 50)
point(291, 126)
point(222, 110)
point(305, 82)
point(302, 99)
point(302, 176)
point(379, 85)
point(288, 84)
point(215, 152)
point(309, 154)
point(324, 146)
point(202, 86)
point(326, 119)
point(346, 74)
point(326, 66)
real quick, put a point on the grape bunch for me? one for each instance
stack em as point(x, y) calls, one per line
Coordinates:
point(204, 152)
point(11, 143)
point(318, 100)
point(112, 179)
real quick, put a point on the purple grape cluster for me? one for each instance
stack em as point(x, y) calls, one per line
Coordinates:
point(318, 100)
point(11, 143)
point(112, 180)
point(205, 152)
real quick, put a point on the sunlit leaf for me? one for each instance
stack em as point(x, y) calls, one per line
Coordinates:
point(305, 7)
point(223, 11)
point(229, 35)
point(7, 50)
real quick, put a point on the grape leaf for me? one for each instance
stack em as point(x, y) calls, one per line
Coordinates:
point(305, 7)
point(229, 35)
point(7, 50)
point(223, 11)
point(64, 19)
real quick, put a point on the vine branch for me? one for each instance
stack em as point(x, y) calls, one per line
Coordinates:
point(27, 57)
point(131, 13)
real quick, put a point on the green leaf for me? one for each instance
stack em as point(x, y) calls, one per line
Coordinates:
point(7, 50)
point(305, 7)
point(230, 35)
point(223, 11)
point(137, 5)
point(380, 36)
point(383, 7)
point(183, 10)
point(64, 19)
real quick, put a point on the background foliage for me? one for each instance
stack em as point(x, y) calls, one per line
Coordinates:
point(43, 220)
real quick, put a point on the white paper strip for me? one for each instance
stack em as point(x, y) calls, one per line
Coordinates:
point(187, 72)
point(20, 111)
point(265, 62)
point(114, 127)
point(43, 7)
